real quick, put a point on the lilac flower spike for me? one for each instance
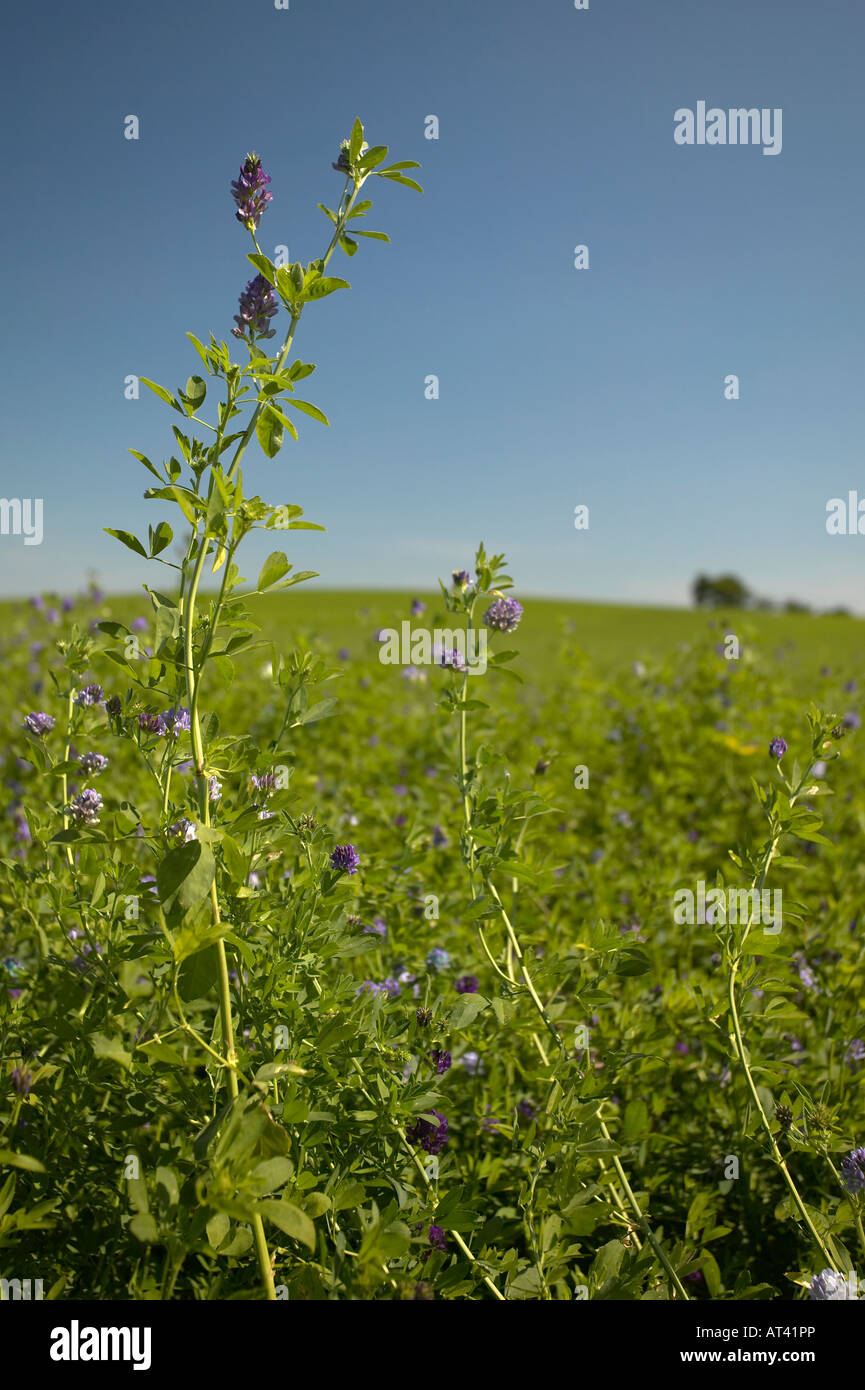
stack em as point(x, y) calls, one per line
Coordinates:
point(248, 191)
point(40, 724)
point(504, 615)
point(345, 858)
point(85, 808)
point(90, 695)
point(92, 763)
point(257, 305)
point(829, 1285)
point(853, 1171)
point(431, 1137)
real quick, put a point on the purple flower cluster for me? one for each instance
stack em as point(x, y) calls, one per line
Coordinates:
point(257, 305)
point(92, 764)
point(452, 659)
point(431, 1137)
point(21, 1080)
point(249, 192)
point(184, 829)
point(39, 724)
point(853, 1171)
point(504, 615)
point(437, 1238)
point(438, 959)
point(173, 722)
point(828, 1286)
point(777, 748)
point(466, 984)
point(90, 695)
point(85, 808)
point(440, 1060)
point(345, 859)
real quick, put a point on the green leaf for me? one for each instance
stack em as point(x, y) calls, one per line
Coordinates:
point(10, 1159)
point(348, 245)
point(144, 1228)
point(265, 265)
point(196, 390)
point(111, 1049)
point(289, 1219)
point(372, 158)
point(163, 395)
point(274, 567)
point(466, 1011)
point(126, 537)
point(355, 142)
point(160, 537)
point(185, 874)
point(217, 1228)
point(270, 431)
point(324, 285)
point(308, 409)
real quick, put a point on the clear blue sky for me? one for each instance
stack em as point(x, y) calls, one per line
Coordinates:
point(558, 386)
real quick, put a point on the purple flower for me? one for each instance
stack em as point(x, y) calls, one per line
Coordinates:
point(378, 928)
point(451, 658)
point(806, 974)
point(462, 579)
point(370, 987)
point(92, 764)
point(440, 1060)
point(777, 748)
point(151, 723)
point(431, 1137)
point(40, 724)
point(85, 807)
point(175, 721)
point(439, 838)
point(21, 1080)
point(424, 1017)
point(437, 1238)
point(184, 828)
point(343, 164)
point(472, 1062)
point(855, 1052)
point(466, 984)
point(139, 624)
point(853, 1171)
point(852, 720)
point(391, 988)
point(90, 695)
point(829, 1285)
point(345, 859)
point(214, 789)
point(248, 192)
point(257, 304)
point(527, 1111)
point(417, 607)
point(682, 1048)
point(438, 959)
point(504, 615)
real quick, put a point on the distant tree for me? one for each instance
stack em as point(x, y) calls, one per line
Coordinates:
point(724, 592)
point(793, 605)
point(838, 613)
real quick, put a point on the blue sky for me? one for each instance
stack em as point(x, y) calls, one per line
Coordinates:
point(557, 386)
